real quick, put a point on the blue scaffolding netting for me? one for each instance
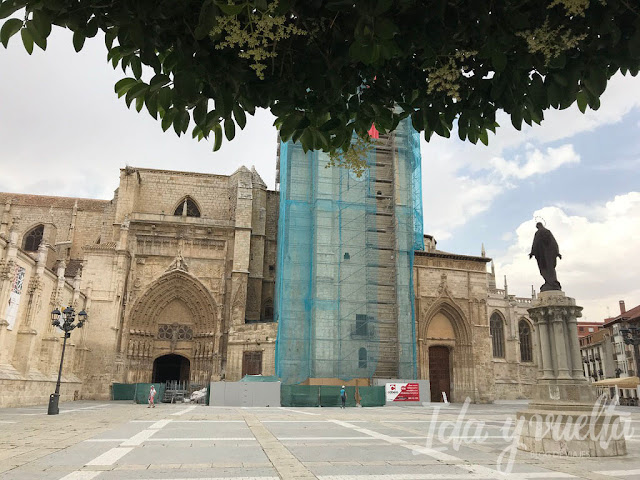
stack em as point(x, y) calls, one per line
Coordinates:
point(344, 274)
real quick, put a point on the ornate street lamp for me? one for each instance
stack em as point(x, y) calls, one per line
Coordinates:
point(631, 336)
point(68, 317)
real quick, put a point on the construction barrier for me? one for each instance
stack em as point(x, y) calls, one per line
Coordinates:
point(138, 392)
point(317, 396)
point(245, 394)
point(371, 396)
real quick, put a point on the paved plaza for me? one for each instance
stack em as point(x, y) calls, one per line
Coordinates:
point(120, 441)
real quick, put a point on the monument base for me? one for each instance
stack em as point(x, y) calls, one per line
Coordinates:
point(564, 418)
point(572, 432)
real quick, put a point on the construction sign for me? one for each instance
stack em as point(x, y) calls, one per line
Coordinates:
point(402, 392)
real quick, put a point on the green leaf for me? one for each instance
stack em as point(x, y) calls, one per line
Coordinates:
point(8, 7)
point(78, 40)
point(136, 67)
point(229, 128)
point(27, 40)
point(151, 101)
point(137, 90)
point(582, 101)
point(498, 59)
point(9, 29)
point(200, 112)
point(167, 118)
point(110, 36)
point(139, 103)
point(217, 130)
point(231, 10)
point(165, 98)
point(596, 83)
point(484, 137)
point(382, 6)
point(634, 44)
point(35, 35)
point(92, 28)
point(385, 28)
point(241, 118)
point(42, 23)
point(123, 86)
point(330, 124)
point(158, 81)
point(207, 20)
point(181, 122)
point(516, 118)
point(289, 124)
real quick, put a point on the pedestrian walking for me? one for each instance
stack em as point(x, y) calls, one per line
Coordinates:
point(152, 396)
point(343, 396)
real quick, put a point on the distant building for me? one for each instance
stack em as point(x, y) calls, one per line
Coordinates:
point(587, 328)
point(597, 355)
point(625, 361)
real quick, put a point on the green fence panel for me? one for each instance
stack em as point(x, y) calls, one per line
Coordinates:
point(142, 392)
point(330, 396)
point(372, 396)
point(123, 391)
point(299, 395)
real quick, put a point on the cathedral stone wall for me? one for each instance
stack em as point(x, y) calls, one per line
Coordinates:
point(514, 378)
point(30, 347)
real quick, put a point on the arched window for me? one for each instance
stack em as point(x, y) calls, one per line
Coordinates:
point(33, 238)
point(526, 350)
point(496, 327)
point(362, 358)
point(188, 208)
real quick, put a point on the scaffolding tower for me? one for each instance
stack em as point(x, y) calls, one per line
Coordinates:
point(344, 274)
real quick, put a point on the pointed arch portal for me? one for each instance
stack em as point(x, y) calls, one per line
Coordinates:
point(445, 354)
point(173, 331)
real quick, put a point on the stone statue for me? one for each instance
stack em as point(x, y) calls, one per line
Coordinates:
point(545, 249)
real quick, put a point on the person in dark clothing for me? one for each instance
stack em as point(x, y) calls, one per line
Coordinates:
point(546, 250)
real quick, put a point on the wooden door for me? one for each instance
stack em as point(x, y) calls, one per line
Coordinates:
point(439, 373)
point(252, 363)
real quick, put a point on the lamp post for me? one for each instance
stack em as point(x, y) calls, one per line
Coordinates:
point(631, 336)
point(68, 317)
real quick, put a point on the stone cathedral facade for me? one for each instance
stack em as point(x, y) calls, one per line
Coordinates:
point(177, 273)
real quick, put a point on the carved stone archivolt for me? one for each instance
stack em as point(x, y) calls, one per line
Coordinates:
point(173, 285)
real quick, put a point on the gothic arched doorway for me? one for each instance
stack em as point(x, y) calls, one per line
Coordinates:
point(176, 317)
point(439, 373)
point(446, 357)
point(171, 367)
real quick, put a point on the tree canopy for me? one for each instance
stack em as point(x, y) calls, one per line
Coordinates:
point(330, 68)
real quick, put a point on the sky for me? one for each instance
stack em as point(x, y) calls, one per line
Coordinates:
point(63, 131)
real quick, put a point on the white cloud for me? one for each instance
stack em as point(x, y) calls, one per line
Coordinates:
point(536, 162)
point(452, 198)
point(600, 255)
point(449, 198)
point(506, 236)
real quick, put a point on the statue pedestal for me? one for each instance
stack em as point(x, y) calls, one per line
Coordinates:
point(563, 417)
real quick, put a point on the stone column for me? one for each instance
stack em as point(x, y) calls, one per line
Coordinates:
point(563, 401)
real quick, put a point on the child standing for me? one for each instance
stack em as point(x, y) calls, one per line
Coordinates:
point(152, 396)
